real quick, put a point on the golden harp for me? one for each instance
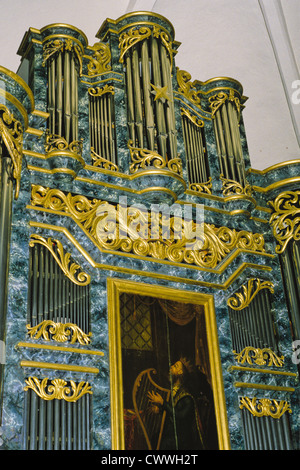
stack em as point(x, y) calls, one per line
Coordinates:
point(152, 424)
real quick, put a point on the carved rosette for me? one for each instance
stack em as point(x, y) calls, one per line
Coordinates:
point(57, 389)
point(265, 407)
point(285, 219)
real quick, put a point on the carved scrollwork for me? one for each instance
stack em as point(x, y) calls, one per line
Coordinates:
point(100, 60)
point(202, 187)
point(96, 217)
point(131, 37)
point(260, 357)
point(217, 100)
point(71, 269)
point(141, 159)
point(186, 87)
point(61, 332)
point(56, 143)
point(101, 162)
point(231, 187)
point(285, 219)
point(98, 91)
point(58, 389)
point(52, 47)
point(241, 300)
point(265, 407)
point(11, 132)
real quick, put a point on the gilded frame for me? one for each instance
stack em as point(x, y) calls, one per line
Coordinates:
point(115, 287)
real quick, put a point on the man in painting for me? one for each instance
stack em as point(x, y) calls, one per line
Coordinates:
point(183, 428)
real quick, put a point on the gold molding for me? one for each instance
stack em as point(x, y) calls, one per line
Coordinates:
point(258, 370)
point(285, 218)
point(120, 269)
point(117, 286)
point(240, 300)
point(265, 407)
point(217, 242)
point(255, 386)
point(63, 259)
point(57, 366)
point(259, 356)
point(93, 352)
point(59, 389)
point(60, 331)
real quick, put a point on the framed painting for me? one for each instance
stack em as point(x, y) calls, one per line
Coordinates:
point(166, 382)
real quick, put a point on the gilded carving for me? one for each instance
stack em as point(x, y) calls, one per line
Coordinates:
point(101, 162)
point(59, 45)
point(56, 143)
point(100, 60)
point(197, 122)
point(71, 269)
point(12, 135)
point(59, 389)
point(265, 407)
point(217, 100)
point(285, 218)
point(61, 332)
point(98, 91)
point(130, 38)
point(241, 300)
point(202, 187)
point(186, 87)
point(141, 159)
point(260, 357)
point(231, 187)
point(107, 223)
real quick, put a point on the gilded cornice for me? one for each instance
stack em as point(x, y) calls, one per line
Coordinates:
point(217, 242)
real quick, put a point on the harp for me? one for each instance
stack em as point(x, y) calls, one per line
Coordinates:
point(152, 424)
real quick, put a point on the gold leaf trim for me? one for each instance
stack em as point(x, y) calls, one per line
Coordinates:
point(241, 300)
point(59, 45)
point(142, 159)
point(192, 118)
point(71, 269)
point(214, 244)
point(100, 60)
point(60, 331)
point(260, 357)
point(265, 407)
point(56, 143)
point(202, 187)
point(285, 219)
point(101, 162)
point(186, 87)
point(98, 91)
point(130, 38)
point(59, 389)
point(231, 187)
point(217, 100)
point(11, 132)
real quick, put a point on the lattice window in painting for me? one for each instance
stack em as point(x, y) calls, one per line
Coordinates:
point(135, 323)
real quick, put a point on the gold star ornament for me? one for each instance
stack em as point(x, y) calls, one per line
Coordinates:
point(161, 93)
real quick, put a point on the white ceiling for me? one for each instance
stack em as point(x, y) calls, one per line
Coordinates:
point(256, 42)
